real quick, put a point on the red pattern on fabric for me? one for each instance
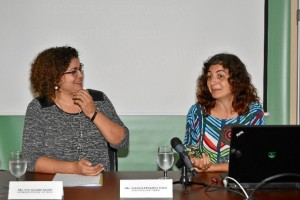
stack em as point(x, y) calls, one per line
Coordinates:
point(257, 117)
point(196, 123)
point(208, 142)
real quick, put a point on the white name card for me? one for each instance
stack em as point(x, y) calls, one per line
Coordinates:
point(35, 190)
point(150, 188)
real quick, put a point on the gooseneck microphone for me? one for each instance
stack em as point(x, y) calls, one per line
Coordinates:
point(183, 153)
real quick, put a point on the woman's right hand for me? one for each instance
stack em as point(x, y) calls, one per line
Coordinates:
point(84, 167)
point(201, 164)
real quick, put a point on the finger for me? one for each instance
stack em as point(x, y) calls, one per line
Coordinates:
point(98, 167)
point(77, 95)
point(85, 101)
point(200, 163)
point(86, 94)
point(198, 170)
point(192, 160)
point(82, 98)
point(85, 162)
point(83, 95)
point(197, 162)
point(205, 162)
point(88, 170)
point(95, 173)
point(94, 170)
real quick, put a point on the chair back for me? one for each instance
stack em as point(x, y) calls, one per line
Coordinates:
point(113, 158)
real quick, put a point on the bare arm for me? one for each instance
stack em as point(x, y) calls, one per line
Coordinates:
point(82, 167)
point(113, 132)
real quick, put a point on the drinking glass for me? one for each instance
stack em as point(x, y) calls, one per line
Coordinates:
point(165, 159)
point(17, 164)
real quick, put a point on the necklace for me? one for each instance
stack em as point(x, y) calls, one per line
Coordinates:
point(60, 106)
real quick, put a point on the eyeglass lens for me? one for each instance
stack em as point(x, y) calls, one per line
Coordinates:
point(75, 71)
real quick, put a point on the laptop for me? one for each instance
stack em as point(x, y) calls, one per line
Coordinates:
point(260, 152)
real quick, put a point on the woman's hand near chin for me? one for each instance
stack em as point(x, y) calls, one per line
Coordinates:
point(85, 101)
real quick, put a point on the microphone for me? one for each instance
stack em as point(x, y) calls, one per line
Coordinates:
point(183, 153)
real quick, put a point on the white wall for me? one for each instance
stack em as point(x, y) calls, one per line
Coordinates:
point(144, 54)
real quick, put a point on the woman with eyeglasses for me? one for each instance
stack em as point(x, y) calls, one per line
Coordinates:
point(68, 129)
point(225, 96)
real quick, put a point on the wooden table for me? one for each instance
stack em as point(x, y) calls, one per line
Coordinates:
point(111, 187)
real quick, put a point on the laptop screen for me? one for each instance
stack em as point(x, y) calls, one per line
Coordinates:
point(259, 152)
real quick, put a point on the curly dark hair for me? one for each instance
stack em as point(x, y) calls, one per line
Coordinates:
point(48, 68)
point(242, 88)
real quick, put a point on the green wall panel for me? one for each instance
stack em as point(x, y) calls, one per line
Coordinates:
point(11, 128)
point(146, 134)
point(279, 62)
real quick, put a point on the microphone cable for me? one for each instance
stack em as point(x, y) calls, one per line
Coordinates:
point(225, 182)
point(215, 187)
point(222, 188)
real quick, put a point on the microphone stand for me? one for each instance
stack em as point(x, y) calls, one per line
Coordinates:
point(186, 178)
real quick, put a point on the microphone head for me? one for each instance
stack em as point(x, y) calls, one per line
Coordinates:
point(175, 141)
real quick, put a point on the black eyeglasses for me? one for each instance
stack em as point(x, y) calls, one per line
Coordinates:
point(75, 71)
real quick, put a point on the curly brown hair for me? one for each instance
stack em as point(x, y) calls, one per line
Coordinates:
point(48, 68)
point(242, 88)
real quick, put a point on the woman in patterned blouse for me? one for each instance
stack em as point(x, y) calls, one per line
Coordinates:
point(225, 96)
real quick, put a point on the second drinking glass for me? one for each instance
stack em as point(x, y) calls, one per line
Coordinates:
point(165, 159)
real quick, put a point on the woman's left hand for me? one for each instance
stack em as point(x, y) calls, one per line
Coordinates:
point(85, 101)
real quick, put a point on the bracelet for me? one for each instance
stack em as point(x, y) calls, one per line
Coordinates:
point(94, 115)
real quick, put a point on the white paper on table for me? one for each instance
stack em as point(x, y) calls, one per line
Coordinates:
point(73, 180)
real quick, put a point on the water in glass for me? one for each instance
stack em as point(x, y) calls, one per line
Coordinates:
point(165, 159)
point(17, 164)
